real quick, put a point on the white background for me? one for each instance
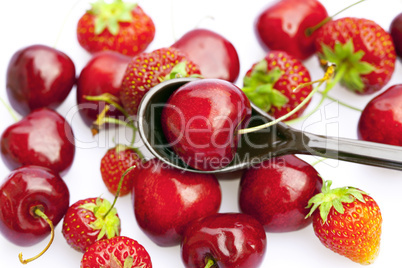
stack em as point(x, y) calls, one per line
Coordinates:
point(26, 22)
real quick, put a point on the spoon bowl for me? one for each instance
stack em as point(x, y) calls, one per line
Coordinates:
point(255, 147)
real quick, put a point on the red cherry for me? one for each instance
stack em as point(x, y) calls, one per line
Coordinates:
point(201, 119)
point(277, 191)
point(224, 240)
point(381, 119)
point(26, 189)
point(166, 199)
point(102, 74)
point(214, 54)
point(42, 138)
point(283, 26)
point(39, 76)
point(396, 33)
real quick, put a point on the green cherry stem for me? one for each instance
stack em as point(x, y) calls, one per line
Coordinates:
point(38, 212)
point(110, 99)
point(118, 189)
point(65, 22)
point(210, 263)
point(10, 110)
point(311, 30)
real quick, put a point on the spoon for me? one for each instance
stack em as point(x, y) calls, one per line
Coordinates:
point(279, 139)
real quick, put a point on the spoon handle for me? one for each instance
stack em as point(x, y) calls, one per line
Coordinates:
point(362, 152)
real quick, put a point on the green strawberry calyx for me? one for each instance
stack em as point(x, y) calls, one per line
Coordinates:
point(259, 87)
point(106, 221)
point(345, 57)
point(333, 198)
point(179, 70)
point(109, 15)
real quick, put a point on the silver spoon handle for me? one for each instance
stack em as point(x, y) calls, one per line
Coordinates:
point(362, 152)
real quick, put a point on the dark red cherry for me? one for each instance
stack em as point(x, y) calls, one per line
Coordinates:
point(39, 76)
point(42, 138)
point(396, 33)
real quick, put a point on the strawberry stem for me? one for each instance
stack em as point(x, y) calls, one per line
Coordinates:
point(309, 31)
point(38, 212)
point(118, 189)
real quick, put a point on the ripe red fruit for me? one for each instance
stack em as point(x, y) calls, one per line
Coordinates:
point(214, 54)
point(119, 251)
point(269, 84)
point(283, 26)
point(277, 191)
point(119, 26)
point(86, 222)
point(380, 120)
point(42, 138)
point(201, 119)
point(348, 222)
point(224, 240)
point(362, 51)
point(149, 69)
point(114, 163)
point(396, 33)
point(166, 199)
point(25, 190)
point(101, 75)
point(38, 76)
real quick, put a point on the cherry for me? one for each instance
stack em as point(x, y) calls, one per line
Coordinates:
point(166, 199)
point(284, 26)
point(103, 74)
point(276, 193)
point(214, 54)
point(396, 33)
point(42, 138)
point(28, 196)
point(224, 240)
point(39, 76)
point(381, 119)
point(201, 119)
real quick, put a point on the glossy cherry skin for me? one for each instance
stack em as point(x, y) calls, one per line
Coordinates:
point(381, 119)
point(283, 25)
point(276, 193)
point(396, 33)
point(24, 190)
point(102, 74)
point(42, 138)
point(39, 76)
point(229, 239)
point(201, 120)
point(214, 54)
point(166, 199)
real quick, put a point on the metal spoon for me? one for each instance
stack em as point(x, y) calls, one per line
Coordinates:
point(255, 147)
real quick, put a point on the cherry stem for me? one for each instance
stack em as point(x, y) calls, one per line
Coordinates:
point(309, 31)
point(319, 161)
point(65, 22)
point(110, 99)
point(210, 263)
point(118, 189)
point(38, 212)
point(10, 110)
point(327, 76)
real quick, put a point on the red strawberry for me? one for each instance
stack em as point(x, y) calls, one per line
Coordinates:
point(269, 84)
point(348, 222)
point(149, 69)
point(117, 252)
point(114, 163)
point(363, 52)
point(118, 26)
point(85, 223)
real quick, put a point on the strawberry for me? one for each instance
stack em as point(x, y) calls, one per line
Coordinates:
point(114, 163)
point(149, 69)
point(269, 84)
point(363, 52)
point(348, 222)
point(118, 26)
point(86, 222)
point(116, 252)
